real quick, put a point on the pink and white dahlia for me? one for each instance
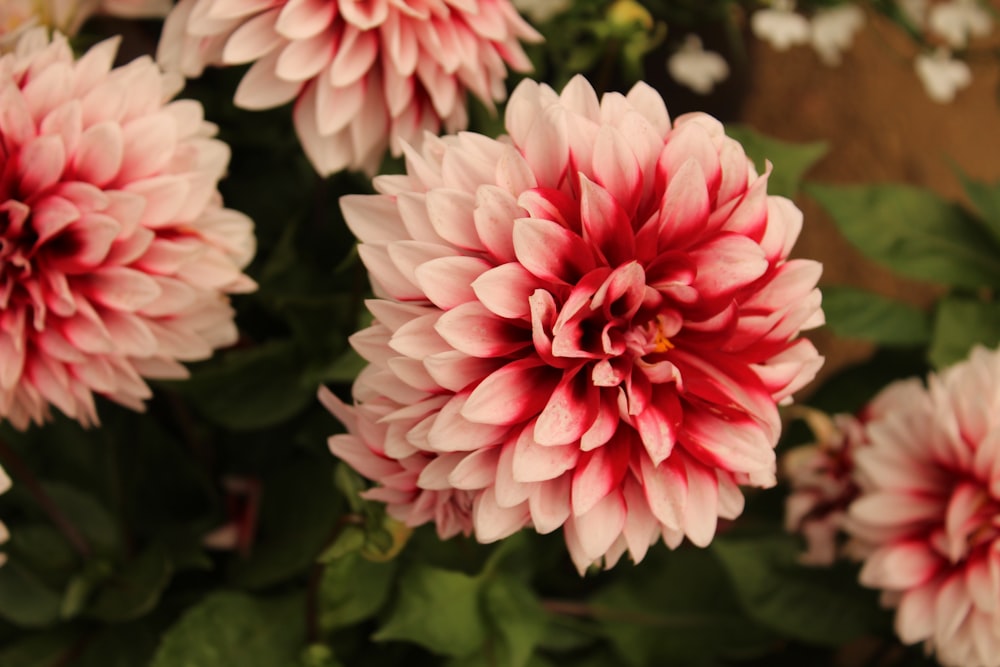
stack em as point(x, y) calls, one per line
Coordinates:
point(365, 76)
point(928, 516)
point(116, 254)
point(4, 533)
point(585, 325)
point(821, 477)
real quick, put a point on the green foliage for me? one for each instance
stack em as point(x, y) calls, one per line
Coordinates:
point(985, 198)
point(791, 161)
point(24, 599)
point(855, 313)
point(227, 629)
point(676, 608)
point(818, 605)
point(438, 609)
point(353, 589)
point(298, 511)
point(914, 232)
point(959, 324)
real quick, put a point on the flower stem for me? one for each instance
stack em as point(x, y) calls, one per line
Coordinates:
point(23, 474)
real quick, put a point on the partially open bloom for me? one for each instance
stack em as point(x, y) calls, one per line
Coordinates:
point(587, 324)
point(822, 485)
point(115, 251)
point(365, 76)
point(928, 516)
point(4, 534)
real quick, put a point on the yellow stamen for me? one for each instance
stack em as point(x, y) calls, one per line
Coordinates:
point(661, 343)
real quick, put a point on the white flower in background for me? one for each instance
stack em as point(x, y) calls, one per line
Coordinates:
point(958, 20)
point(540, 11)
point(833, 31)
point(696, 68)
point(942, 75)
point(780, 26)
point(914, 10)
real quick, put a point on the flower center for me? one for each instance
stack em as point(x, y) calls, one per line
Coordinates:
point(660, 341)
point(18, 249)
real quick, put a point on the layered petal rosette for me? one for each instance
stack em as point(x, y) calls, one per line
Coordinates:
point(585, 325)
point(365, 76)
point(116, 254)
point(927, 519)
point(821, 477)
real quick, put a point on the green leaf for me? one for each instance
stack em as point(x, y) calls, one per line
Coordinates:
point(135, 589)
point(353, 589)
point(438, 609)
point(228, 629)
point(24, 600)
point(791, 160)
point(251, 388)
point(298, 509)
point(88, 515)
point(913, 232)
point(44, 547)
point(856, 313)
point(985, 197)
point(40, 649)
point(818, 605)
point(675, 607)
point(959, 324)
point(519, 621)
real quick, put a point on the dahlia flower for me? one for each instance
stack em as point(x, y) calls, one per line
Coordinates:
point(115, 250)
point(4, 534)
point(822, 485)
point(364, 76)
point(587, 324)
point(927, 519)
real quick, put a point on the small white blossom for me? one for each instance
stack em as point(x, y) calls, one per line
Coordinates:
point(780, 26)
point(833, 31)
point(958, 20)
point(540, 11)
point(914, 10)
point(942, 75)
point(697, 68)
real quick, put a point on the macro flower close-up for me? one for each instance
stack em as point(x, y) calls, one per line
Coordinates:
point(926, 518)
point(365, 76)
point(587, 325)
point(115, 251)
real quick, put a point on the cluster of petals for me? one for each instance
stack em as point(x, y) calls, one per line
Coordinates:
point(4, 533)
point(821, 477)
point(66, 16)
point(116, 253)
point(587, 324)
point(927, 519)
point(365, 76)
